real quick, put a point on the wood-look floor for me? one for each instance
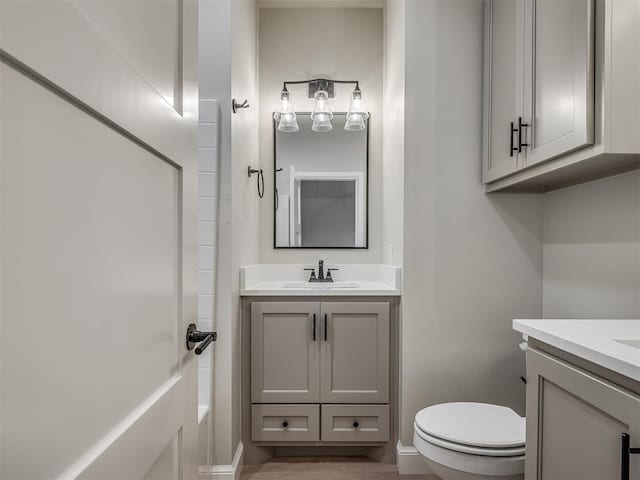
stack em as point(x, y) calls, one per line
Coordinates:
point(325, 468)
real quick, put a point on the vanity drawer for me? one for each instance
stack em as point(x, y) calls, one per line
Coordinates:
point(355, 423)
point(285, 423)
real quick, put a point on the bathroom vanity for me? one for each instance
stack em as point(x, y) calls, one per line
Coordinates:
point(320, 361)
point(583, 399)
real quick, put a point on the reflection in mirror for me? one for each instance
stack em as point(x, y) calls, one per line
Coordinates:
point(321, 179)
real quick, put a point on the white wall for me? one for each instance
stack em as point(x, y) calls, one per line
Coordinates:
point(227, 56)
point(302, 43)
point(215, 86)
point(245, 201)
point(592, 250)
point(472, 262)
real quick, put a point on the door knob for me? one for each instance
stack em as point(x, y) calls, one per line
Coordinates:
point(285, 424)
point(196, 336)
point(356, 424)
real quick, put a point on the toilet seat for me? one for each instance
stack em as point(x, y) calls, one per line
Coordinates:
point(472, 450)
point(471, 425)
point(490, 466)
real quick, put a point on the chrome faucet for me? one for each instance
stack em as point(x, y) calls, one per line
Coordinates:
point(321, 277)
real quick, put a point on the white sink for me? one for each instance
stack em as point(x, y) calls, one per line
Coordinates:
point(320, 285)
point(631, 343)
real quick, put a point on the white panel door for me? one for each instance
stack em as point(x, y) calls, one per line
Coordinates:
point(98, 239)
point(559, 78)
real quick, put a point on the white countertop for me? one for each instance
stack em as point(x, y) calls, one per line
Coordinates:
point(290, 280)
point(613, 344)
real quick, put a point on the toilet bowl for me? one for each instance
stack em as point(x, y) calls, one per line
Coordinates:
point(471, 441)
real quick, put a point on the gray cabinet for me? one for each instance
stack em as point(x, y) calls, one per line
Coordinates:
point(354, 359)
point(285, 357)
point(561, 99)
point(504, 83)
point(304, 354)
point(559, 81)
point(575, 423)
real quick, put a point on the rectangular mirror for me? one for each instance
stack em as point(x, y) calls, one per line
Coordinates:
point(322, 186)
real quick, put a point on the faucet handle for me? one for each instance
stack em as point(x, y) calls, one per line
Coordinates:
point(329, 270)
point(313, 273)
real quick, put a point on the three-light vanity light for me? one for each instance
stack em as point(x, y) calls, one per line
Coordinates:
point(321, 90)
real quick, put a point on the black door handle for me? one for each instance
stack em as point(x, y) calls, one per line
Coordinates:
point(520, 127)
point(325, 327)
point(313, 327)
point(511, 147)
point(356, 424)
point(625, 459)
point(203, 338)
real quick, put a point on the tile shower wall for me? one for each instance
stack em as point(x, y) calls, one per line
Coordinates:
point(207, 233)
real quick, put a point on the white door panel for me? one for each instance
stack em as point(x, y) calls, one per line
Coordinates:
point(97, 211)
point(156, 54)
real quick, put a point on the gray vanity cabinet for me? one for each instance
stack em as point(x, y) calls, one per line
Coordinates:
point(355, 352)
point(575, 423)
point(285, 356)
point(320, 372)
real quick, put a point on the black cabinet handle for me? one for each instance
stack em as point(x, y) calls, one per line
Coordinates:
point(511, 147)
point(313, 327)
point(520, 127)
point(356, 424)
point(625, 459)
point(325, 327)
point(285, 424)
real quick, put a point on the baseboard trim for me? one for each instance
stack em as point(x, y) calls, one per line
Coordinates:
point(224, 472)
point(410, 461)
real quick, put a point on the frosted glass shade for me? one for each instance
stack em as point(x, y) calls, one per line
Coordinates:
point(288, 123)
point(357, 114)
point(322, 122)
point(285, 115)
point(321, 114)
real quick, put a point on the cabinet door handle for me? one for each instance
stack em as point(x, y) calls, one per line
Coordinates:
point(325, 327)
point(285, 424)
point(626, 452)
point(511, 147)
point(520, 127)
point(313, 327)
point(356, 424)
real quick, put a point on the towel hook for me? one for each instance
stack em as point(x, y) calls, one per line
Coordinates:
point(235, 106)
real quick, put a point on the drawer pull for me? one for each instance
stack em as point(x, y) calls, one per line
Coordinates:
point(356, 424)
point(285, 424)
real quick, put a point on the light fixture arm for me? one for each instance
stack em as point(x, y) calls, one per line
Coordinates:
point(316, 84)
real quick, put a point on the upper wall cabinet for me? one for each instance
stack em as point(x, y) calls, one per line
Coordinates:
point(562, 103)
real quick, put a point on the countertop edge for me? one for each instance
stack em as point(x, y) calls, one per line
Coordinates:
point(320, 293)
point(587, 353)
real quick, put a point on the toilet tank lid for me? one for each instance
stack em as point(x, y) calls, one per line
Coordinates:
point(476, 424)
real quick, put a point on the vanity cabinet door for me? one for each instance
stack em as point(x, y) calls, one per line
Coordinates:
point(575, 423)
point(355, 352)
point(285, 352)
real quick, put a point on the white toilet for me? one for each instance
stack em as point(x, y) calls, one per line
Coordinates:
point(471, 441)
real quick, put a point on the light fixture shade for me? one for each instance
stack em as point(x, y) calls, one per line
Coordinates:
point(321, 114)
point(285, 115)
point(288, 123)
point(322, 122)
point(357, 114)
